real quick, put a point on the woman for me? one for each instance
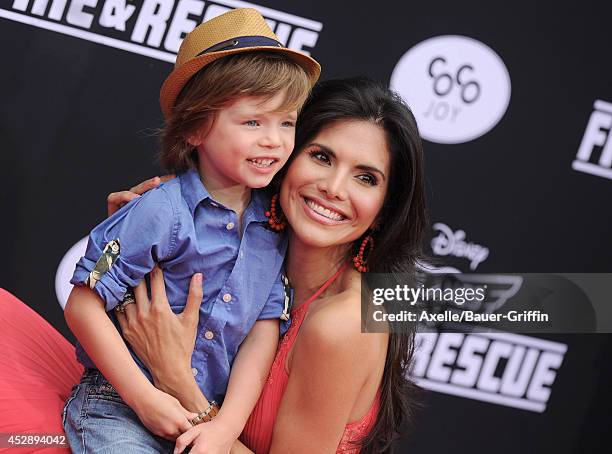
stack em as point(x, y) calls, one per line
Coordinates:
point(352, 194)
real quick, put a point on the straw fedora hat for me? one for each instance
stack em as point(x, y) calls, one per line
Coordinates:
point(239, 30)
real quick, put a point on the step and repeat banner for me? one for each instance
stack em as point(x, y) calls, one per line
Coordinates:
point(513, 101)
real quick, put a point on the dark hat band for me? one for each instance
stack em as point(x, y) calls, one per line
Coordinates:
point(241, 42)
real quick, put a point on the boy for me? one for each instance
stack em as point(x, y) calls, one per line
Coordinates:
point(230, 106)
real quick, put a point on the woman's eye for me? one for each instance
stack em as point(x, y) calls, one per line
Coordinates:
point(251, 123)
point(288, 124)
point(320, 156)
point(368, 178)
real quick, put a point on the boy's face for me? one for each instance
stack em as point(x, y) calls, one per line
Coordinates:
point(248, 142)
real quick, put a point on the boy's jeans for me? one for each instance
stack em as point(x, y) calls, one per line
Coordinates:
point(96, 420)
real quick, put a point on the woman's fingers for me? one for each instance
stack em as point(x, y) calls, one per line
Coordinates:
point(159, 300)
point(165, 178)
point(185, 440)
point(116, 200)
point(130, 312)
point(146, 185)
point(187, 424)
point(141, 296)
point(122, 321)
point(194, 299)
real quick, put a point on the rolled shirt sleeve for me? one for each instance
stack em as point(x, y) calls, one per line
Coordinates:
point(146, 229)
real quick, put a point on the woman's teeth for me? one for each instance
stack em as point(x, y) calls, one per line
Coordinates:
point(261, 162)
point(324, 211)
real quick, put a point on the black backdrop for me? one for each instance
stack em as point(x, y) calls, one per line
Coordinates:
point(77, 117)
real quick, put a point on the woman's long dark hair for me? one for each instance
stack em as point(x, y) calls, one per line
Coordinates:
point(402, 222)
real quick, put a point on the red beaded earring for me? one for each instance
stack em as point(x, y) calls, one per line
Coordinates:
point(361, 263)
point(277, 220)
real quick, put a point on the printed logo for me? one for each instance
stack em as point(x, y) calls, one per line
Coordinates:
point(65, 270)
point(501, 368)
point(453, 243)
point(596, 141)
point(457, 87)
point(154, 28)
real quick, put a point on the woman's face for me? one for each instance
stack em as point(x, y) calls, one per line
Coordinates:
point(336, 185)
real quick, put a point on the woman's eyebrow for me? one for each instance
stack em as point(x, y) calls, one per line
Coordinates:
point(364, 167)
point(324, 148)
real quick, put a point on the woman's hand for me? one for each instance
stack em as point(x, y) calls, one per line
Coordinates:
point(207, 438)
point(164, 341)
point(116, 200)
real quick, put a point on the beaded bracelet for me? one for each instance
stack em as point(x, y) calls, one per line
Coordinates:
point(206, 415)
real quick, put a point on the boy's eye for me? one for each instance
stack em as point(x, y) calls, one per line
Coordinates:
point(368, 179)
point(288, 124)
point(251, 123)
point(320, 156)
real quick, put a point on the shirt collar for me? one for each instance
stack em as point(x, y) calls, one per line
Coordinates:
point(194, 192)
point(192, 189)
point(260, 203)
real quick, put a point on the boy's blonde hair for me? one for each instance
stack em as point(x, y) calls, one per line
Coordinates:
point(262, 74)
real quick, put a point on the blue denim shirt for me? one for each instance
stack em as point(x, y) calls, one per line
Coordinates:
point(179, 226)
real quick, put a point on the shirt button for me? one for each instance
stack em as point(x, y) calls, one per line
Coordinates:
point(229, 226)
point(209, 335)
point(227, 297)
point(194, 371)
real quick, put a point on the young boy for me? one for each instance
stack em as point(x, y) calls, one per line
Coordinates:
point(230, 106)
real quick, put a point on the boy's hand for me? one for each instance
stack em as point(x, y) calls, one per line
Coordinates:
point(116, 200)
point(212, 437)
point(162, 414)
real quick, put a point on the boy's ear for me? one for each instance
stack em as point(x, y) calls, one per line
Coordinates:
point(194, 139)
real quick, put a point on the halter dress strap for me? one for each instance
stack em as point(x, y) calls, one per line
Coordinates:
point(321, 289)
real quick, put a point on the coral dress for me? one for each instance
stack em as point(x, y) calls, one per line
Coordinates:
point(257, 434)
point(37, 370)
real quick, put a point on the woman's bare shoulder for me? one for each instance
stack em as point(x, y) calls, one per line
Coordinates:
point(336, 324)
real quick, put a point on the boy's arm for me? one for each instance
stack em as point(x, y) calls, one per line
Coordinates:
point(248, 374)
point(86, 317)
point(247, 378)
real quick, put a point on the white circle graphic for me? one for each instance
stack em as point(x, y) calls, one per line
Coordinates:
point(65, 270)
point(457, 87)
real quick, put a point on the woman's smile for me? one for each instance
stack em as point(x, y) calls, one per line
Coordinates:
point(317, 209)
point(335, 187)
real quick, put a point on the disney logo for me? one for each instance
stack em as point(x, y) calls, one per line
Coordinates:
point(453, 243)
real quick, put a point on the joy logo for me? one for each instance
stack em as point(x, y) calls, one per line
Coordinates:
point(597, 138)
point(458, 88)
point(444, 83)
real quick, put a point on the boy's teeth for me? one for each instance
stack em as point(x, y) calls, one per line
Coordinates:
point(324, 211)
point(262, 162)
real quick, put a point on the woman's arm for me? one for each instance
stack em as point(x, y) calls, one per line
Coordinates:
point(165, 341)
